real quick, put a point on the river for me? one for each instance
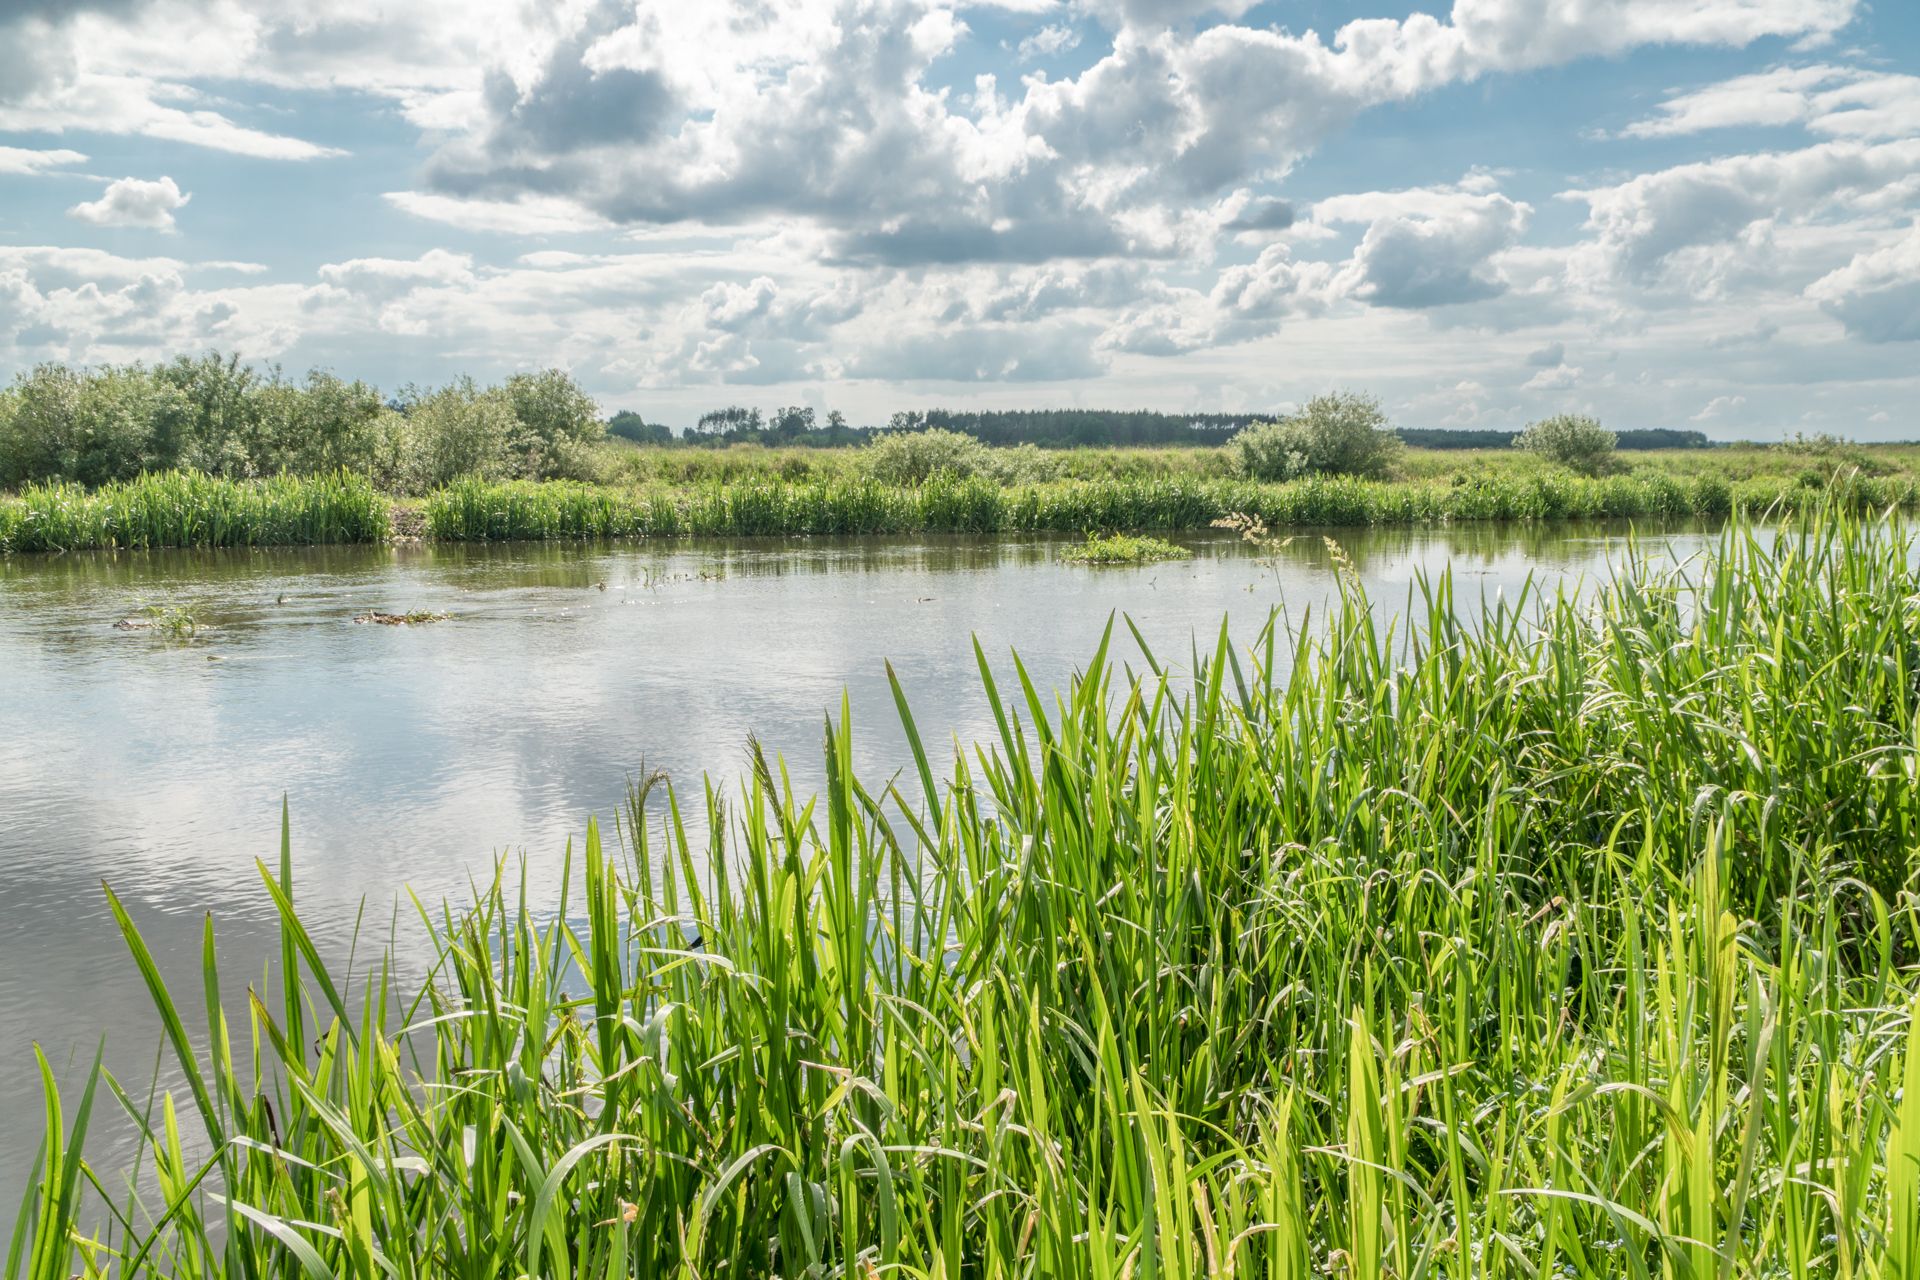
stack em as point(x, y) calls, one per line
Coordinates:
point(413, 756)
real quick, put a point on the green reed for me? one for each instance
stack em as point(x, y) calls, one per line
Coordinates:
point(187, 509)
point(1562, 937)
point(181, 509)
point(479, 510)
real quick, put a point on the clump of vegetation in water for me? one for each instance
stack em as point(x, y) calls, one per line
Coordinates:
point(1124, 548)
point(1561, 938)
point(172, 621)
point(412, 618)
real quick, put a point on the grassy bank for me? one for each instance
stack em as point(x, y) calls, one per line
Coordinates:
point(1567, 943)
point(478, 511)
point(177, 509)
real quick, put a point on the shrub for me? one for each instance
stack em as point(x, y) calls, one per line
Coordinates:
point(556, 426)
point(1340, 434)
point(915, 457)
point(223, 436)
point(1571, 440)
point(94, 428)
point(1022, 464)
point(320, 427)
point(1831, 453)
point(457, 432)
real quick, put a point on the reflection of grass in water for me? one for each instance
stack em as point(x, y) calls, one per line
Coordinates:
point(1577, 940)
point(1124, 548)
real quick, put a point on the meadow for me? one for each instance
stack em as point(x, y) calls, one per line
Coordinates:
point(1569, 936)
point(755, 491)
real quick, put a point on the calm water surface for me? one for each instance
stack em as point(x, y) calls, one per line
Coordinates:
point(414, 756)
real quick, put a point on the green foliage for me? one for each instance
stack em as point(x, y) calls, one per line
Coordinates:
point(56, 424)
point(225, 436)
point(556, 426)
point(915, 457)
point(186, 509)
point(1124, 548)
point(455, 432)
point(1338, 434)
point(1078, 428)
point(628, 425)
point(197, 511)
point(1637, 438)
point(1562, 940)
point(172, 621)
point(1570, 440)
point(476, 510)
point(221, 417)
point(1825, 453)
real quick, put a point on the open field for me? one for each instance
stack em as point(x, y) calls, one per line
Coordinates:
point(1568, 939)
point(751, 491)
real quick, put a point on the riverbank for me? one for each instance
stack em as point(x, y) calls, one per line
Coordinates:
point(187, 510)
point(1571, 941)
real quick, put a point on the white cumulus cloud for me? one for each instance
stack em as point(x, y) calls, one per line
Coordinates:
point(134, 202)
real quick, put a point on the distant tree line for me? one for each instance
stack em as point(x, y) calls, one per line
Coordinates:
point(1639, 438)
point(1051, 429)
point(1045, 428)
point(1065, 428)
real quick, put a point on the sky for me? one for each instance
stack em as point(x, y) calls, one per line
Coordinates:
point(1667, 213)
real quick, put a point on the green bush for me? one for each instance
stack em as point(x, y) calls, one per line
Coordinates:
point(456, 432)
point(1570, 440)
point(1339, 434)
point(217, 416)
point(111, 425)
point(327, 424)
point(1022, 464)
point(915, 457)
point(1829, 453)
point(556, 426)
